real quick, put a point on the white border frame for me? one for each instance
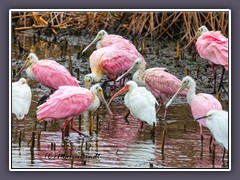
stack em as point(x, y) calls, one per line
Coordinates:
point(122, 10)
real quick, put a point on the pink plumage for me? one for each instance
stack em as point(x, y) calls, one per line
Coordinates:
point(67, 102)
point(201, 104)
point(53, 75)
point(161, 83)
point(213, 46)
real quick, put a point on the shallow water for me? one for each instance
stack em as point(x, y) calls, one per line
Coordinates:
point(115, 144)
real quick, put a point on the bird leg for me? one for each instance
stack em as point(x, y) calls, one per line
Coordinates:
point(63, 129)
point(140, 125)
point(220, 85)
point(160, 105)
point(223, 155)
point(74, 129)
point(90, 119)
point(126, 116)
point(214, 79)
point(24, 121)
point(210, 144)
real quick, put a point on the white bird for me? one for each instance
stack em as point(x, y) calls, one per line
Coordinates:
point(140, 102)
point(217, 123)
point(21, 99)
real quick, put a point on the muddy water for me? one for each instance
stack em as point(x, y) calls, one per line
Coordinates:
point(114, 144)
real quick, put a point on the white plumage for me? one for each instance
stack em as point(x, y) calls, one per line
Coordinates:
point(141, 103)
point(21, 98)
point(217, 122)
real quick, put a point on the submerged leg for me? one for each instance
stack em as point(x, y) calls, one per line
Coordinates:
point(74, 129)
point(126, 116)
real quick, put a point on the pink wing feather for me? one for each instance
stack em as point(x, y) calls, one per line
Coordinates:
point(201, 104)
point(53, 75)
point(66, 102)
point(162, 83)
point(213, 46)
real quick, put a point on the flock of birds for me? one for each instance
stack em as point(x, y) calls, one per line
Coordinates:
point(116, 57)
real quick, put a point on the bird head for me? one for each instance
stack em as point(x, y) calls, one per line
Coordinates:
point(88, 79)
point(32, 58)
point(100, 35)
point(128, 87)
point(138, 63)
point(22, 81)
point(98, 91)
point(187, 82)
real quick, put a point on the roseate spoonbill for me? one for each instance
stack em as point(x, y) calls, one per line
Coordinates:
point(70, 101)
point(48, 72)
point(105, 40)
point(111, 61)
point(21, 99)
point(159, 82)
point(217, 123)
point(200, 103)
point(140, 102)
point(212, 46)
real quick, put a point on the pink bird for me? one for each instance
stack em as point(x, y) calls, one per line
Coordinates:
point(111, 61)
point(68, 102)
point(159, 82)
point(48, 72)
point(105, 40)
point(200, 103)
point(212, 46)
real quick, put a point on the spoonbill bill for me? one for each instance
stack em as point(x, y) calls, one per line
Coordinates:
point(212, 46)
point(68, 102)
point(159, 82)
point(200, 103)
point(111, 61)
point(21, 99)
point(140, 102)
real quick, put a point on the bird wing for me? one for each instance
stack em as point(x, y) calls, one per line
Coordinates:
point(201, 104)
point(53, 75)
point(213, 46)
point(141, 104)
point(116, 61)
point(67, 101)
point(161, 82)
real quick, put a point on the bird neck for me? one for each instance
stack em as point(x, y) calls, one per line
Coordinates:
point(95, 103)
point(97, 74)
point(191, 93)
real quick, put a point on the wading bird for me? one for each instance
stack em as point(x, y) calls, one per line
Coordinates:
point(161, 83)
point(48, 72)
point(105, 40)
point(212, 46)
point(200, 103)
point(68, 102)
point(111, 61)
point(217, 123)
point(140, 102)
point(21, 99)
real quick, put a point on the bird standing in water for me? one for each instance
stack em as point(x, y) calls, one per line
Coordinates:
point(140, 102)
point(68, 102)
point(21, 99)
point(212, 46)
point(200, 103)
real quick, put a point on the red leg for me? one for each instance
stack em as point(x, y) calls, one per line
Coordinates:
point(63, 129)
point(74, 129)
